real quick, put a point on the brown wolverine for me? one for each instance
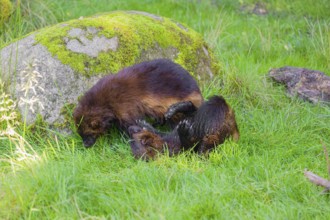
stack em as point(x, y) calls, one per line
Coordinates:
point(146, 89)
point(202, 130)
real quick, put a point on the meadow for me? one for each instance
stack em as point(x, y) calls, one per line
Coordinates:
point(46, 175)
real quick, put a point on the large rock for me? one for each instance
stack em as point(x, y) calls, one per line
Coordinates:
point(310, 85)
point(50, 68)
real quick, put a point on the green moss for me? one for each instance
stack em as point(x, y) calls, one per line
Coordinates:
point(67, 110)
point(38, 126)
point(5, 10)
point(136, 33)
point(66, 113)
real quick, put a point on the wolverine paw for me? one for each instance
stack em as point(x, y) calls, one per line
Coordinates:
point(169, 114)
point(134, 129)
point(145, 125)
point(184, 127)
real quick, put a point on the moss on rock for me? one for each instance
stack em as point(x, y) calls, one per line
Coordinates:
point(137, 33)
point(5, 10)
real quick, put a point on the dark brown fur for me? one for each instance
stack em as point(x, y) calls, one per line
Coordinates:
point(143, 90)
point(206, 128)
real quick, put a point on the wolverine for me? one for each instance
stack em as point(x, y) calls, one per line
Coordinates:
point(144, 90)
point(202, 130)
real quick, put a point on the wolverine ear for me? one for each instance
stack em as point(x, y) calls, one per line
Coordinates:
point(146, 140)
point(107, 121)
point(98, 123)
point(95, 123)
point(107, 118)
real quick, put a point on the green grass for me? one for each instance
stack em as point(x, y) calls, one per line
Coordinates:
point(45, 175)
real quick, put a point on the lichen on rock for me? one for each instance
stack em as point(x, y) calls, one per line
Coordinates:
point(91, 47)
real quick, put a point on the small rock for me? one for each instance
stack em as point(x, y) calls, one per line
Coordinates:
point(258, 8)
point(310, 85)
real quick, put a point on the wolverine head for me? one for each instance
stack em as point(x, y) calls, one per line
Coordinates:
point(145, 144)
point(91, 123)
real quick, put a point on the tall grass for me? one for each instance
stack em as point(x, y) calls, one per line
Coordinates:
point(45, 175)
